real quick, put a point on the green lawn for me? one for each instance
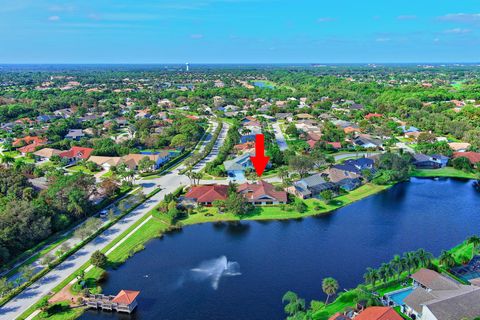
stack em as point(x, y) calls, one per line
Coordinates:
point(444, 172)
point(78, 168)
point(276, 213)
point(60, 311)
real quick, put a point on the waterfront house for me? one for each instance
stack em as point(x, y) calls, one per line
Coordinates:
point(207, 194)
point(473, 157)
point(75, 154)
point(438, 297)
point(378, 313)
point(311, 186)
point(347, 177)
point(262, 193)
point(423, 161)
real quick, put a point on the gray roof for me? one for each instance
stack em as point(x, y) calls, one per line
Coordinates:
point(74, 133)
point(466, 305)
point(312, 181)
point(236, 164)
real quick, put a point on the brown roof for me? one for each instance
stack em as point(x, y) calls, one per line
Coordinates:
point(255, 191)
point(208, 193)
point(47, 152)
point(473, 157)
point(434, 280)
point(100, 160)
point(456, 146)
point(378, 313)
point(126, 297)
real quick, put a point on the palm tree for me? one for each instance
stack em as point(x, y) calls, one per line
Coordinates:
point(446, 259)
point(294, 303)
point(329, 287)
point(423, 257)
point(371, 276)
point(410, 261)
point(475, 242)
point(397, 264)
point(6, 160)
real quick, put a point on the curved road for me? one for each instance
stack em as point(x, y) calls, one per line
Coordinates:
point(168, 183)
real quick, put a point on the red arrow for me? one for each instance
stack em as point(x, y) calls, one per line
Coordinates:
point(259, 161)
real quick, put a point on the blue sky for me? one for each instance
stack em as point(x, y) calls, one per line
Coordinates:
point(239, 31)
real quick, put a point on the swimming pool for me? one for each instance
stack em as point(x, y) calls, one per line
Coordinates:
point(398, 297)
point(236, 176)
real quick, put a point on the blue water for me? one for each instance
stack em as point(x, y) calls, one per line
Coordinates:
point(277, 256)
point(400, 296)
point(237, 176)
point(262, 84)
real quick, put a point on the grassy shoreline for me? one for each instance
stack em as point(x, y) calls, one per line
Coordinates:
point(447, 172)
point(158, 225)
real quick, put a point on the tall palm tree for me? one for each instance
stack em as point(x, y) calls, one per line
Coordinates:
point(423, 257)
point(446, 259)
point(294, 303)
point(371, 276)
point(330, 287)
point(397, 264)
point(475, 242)
point(410, 261)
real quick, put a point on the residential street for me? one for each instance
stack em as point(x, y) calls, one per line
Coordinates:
point(282, 144)
point(168, 183)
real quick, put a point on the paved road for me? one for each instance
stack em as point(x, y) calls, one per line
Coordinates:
point(168, 183)
point(282, 144)
point(355, 154)
point(212, 155)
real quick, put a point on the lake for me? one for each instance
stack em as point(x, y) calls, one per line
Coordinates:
point(263, 84)
point(223, 271)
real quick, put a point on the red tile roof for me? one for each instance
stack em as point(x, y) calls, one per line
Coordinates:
point(77, 152)
point(126, 297)
point(244, 146)
point(29, 140)
point(255, 191)
point(474, 157)
point(378, 313)
point(373, 115)
point(339, 316)
point(208, 193)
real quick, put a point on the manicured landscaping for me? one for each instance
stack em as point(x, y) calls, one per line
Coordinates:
point(445, 172)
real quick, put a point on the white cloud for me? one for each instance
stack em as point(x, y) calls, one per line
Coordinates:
point(469, 18)
point(53, 18)
point(457, 31)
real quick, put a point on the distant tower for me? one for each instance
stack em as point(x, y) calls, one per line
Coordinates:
point(187, 66)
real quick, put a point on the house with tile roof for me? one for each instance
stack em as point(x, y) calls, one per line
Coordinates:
point(379, 313)
point(76, 154)
point(311, 186)
point(46, 153)
point(262, 193)
point(207, 194)
point(29, 144)
point(438, 297)
point(473, 157)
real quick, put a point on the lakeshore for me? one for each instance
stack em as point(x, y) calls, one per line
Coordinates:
point(158, 225)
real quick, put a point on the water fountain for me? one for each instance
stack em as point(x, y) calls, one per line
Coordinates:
point(215, 269)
